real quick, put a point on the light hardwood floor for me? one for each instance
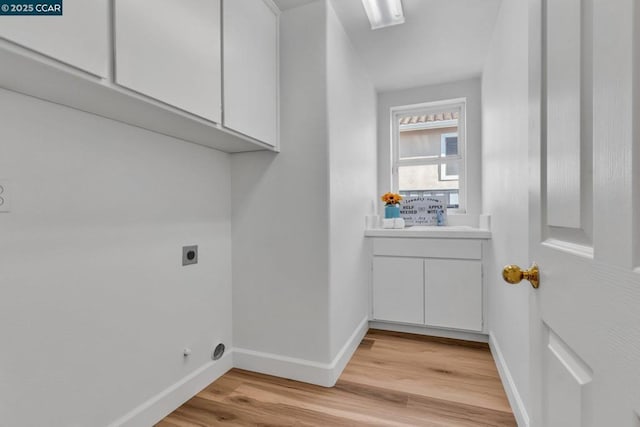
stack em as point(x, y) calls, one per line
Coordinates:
point(393, 379)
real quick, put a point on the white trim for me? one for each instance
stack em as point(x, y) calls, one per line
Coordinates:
point(308, 371)
point(430, 331)
point(581, 372)
point(274, 7)
point(515, 400)
point(349, 347)
point(575, 249)
point(436, 106)
point(276, 10)
point(420, 161)
point(437, 124)
point(165, 402)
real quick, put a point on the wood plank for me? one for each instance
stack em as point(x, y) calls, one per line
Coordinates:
point(393, 379)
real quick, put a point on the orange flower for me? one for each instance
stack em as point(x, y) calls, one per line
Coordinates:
point(391, 198)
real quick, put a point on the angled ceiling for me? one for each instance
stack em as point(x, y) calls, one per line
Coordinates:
point(441, 41)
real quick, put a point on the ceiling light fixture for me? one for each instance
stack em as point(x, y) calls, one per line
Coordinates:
point(383, 13)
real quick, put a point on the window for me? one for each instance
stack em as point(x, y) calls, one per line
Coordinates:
point(428, 144)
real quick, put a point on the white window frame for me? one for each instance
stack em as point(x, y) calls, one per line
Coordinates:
point(457, 104)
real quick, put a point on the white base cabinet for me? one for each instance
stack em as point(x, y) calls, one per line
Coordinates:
point(398, 290)
point(453, 294)
point(428, 282)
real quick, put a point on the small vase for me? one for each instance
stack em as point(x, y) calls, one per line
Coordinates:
point(392, 211)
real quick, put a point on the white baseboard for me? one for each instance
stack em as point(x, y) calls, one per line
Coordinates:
point(323, 374)
point(425, 330)
point(517, 405)
point(346, 352)
point(165, 402)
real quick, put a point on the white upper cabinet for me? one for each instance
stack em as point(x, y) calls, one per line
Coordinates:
point(155, 64)
point(79, 38)
point(170, 51)
point(251, 68)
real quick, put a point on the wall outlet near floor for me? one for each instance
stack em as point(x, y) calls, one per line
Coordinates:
point(189, 255)
point(4, 196)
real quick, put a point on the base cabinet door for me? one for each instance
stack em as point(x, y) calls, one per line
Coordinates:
point(398, 289)
point(453, 294)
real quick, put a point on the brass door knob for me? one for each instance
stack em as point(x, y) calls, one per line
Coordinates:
point(514, 274)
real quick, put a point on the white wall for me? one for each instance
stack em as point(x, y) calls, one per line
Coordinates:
point(300, 270)
point(281, 208)
point(505, 188)
point(96, 307)
point(460, 89)
point(352, 181)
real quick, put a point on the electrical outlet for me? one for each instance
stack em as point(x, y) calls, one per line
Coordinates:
point(189, 255)
point(4, 196)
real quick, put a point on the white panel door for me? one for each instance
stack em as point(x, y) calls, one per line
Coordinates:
point(170, 51)
point(453, 294)
point(251, 69)
point(398, 289)
point(80, 37)
point(585, 317)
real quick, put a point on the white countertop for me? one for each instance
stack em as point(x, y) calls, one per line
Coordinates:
point(444, 232)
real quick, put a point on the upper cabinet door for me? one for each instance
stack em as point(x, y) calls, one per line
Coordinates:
point(251, 69)
point(170, 51)
point(80, 37)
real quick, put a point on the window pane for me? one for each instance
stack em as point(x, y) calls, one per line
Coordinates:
point(430, 180)
point(428, 143)
point(450, 145)
point(449, 171)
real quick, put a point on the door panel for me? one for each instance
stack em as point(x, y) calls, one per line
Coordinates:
point(563, 112)
point(251, 69)
point(568, 111)
point(614, 130)
point(80, 37)
point(453, 294)
point(585, 342)
point(567, 378)
point(172, 54)
point(398, 289)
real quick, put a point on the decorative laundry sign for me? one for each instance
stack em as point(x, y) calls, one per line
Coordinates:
point(430, 210)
